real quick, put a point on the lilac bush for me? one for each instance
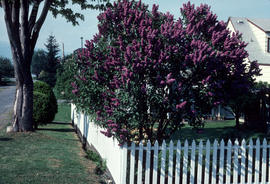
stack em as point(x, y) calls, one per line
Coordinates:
point(144, 72)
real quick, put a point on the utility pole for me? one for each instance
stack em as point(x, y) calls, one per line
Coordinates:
point(81, 42)
point(63, 57)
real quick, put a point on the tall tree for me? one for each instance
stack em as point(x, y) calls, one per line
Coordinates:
point(52, 54)
point(23, 23)
point(52, 61)
point(38, 62)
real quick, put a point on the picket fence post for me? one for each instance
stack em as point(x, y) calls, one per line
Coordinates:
point(192, 164)
point(243, 161)
point(200, 157)
point(155, 172)
point(163, 162)
point(207, 162)
point(147, 167)
point(132, 163)
point(257, 161)
point(178, 162)
point(170, 173)
point(264, 161)
point(221, 162)
point(123, 173)
point(185, 163)
point(214, 163)
point(250, 159)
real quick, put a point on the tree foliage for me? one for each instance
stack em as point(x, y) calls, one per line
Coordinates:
point(6, 68)
point(144, 72)
point(38, 62)
point(65, 74)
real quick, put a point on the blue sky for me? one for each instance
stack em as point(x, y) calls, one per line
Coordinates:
point(70, 36)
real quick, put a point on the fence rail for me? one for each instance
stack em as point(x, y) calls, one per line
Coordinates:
point(180, 162)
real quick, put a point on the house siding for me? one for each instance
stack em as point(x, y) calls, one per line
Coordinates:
point(230, 26)
point(260, 35)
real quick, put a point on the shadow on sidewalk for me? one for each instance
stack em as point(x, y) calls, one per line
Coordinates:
point(59, 123)
point(57, 129)
point(5, 139)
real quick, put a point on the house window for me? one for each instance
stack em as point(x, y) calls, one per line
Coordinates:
point(268, 45)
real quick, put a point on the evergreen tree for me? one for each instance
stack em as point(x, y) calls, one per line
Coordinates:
point(50, 68)
point(52, 54)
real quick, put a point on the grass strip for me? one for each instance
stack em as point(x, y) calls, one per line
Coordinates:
point(52, 154)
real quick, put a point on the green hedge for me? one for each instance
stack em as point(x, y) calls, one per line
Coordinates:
point(45, 104)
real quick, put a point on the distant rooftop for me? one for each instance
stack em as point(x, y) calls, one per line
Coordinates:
point(243, 25)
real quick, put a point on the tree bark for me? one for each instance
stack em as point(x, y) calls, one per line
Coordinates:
point(23, 105)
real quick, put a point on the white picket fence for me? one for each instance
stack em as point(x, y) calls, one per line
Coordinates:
point(196, 163)
point(230, 163)
point(108, 148)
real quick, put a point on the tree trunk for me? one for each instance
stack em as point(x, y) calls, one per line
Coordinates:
point(23, 105)
point(237, 117)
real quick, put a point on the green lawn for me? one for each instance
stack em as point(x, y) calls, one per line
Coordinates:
point(216, 130)
point(50, 155)
point(63, 114)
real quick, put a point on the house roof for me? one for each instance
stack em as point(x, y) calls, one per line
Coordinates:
point(263, 24)
point(243, 25)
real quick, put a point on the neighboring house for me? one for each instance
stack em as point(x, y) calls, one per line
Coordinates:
point(255, 32)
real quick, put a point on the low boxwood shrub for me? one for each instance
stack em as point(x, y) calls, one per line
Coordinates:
point(100, 163)
point(45, 104)
point(41, 108)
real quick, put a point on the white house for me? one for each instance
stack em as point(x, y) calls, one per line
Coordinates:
point(255, 32)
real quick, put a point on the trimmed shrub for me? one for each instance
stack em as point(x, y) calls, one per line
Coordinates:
point(45, 103)
point(41, 109)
